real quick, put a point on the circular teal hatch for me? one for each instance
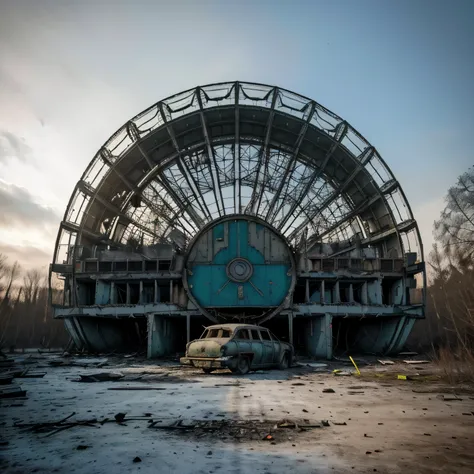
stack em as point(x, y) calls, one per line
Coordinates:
point(242, 263)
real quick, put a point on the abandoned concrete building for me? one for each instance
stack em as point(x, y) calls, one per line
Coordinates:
point(238, 202)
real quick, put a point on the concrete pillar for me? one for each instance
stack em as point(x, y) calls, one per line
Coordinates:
point(171, 291)
point(188, 327)
point(328, 333)
point(157, 339)
point(351, 293)
point(337, 293)
point(307, 291)
point(128, 293)
point(113, 293)
point(319, 336)
point(290, 328)
point(155, 297)
point(364, 294)
point(323, 292)
point(140, 298)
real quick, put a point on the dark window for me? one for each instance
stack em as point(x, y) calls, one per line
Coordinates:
point(105, 266)
point(134, 266)
point(242, 334)
point(213, 333)
point(255, 335)
point(91, 266)
point(164, 265)
point(120, 266)
point(225, 333)
point(150, 265)
point(265, 335)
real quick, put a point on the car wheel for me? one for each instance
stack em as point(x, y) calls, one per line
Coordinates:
point(243, 366)
point(285, 362)
point(207, 371)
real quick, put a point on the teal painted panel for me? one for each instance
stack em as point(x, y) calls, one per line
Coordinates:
point(211, 287)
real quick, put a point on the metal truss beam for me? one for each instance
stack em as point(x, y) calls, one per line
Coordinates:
point(188, 179)
point(237, 158)
point(340, 132)
point(362, 160)
point(404, 226)
point(134, 134)
point(86, 189)
point(136, 190)
point(214, 170)
point(285, 181)
point(262, 168)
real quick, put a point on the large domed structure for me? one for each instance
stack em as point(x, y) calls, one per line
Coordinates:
point(236, 202)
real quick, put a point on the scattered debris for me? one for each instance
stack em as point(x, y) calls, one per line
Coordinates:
point(56, 426)
point(355, 393)
point(136, 459)
point(413, 362)
point(337, 423)
point(297, 384)
point(328, 390)
point(387, 362)
point(6, 379)
point(325, 422)
point(101, 377)
point(12, 392)
point(450, 398)
point(136, 388)
point(341, 372)
point(82, 447)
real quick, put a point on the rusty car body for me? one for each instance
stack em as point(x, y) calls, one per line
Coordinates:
point(238, 347)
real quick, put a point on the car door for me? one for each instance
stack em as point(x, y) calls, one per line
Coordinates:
point(243, 341)
point(268, 348)
point(257, 349)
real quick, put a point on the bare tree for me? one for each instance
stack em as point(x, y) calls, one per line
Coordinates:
point(31, 285)
point(455, 228)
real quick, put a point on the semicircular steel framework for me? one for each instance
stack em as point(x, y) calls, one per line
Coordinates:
point(239, 148)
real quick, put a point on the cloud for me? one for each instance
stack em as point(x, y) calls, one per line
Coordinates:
point(20, 209)
point(27, 256)
point(13, 147)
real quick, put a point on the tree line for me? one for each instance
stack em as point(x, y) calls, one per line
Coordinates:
point(26, 318)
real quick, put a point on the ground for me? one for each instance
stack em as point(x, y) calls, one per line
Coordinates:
point(386, 425)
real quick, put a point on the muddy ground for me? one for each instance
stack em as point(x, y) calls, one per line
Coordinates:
point(264, 422)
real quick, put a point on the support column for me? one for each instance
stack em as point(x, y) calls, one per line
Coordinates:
point(128, 294)
point(365, 294)
point(171, 291)
point(337, 293)
point(307, 291)
point(140, 298)
point(155, 297)
point(113, 294)
point(156, 337)
point(328, 333)
point(188, 328)
point(351, 293)
point(323, 292)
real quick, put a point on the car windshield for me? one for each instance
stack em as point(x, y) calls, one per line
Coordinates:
point(216, 333)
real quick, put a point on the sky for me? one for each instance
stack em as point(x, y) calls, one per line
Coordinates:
point(73, 72)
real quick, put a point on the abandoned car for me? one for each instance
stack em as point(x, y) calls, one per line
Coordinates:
point(238, 347)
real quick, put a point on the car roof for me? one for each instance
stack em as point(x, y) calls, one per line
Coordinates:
point(235, 326)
